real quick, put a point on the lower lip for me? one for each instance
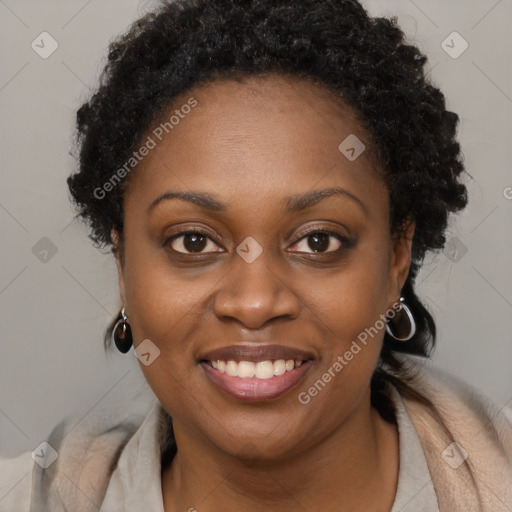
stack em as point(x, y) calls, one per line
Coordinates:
point(253, 389)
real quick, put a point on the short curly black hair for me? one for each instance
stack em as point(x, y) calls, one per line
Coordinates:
point(366, 61)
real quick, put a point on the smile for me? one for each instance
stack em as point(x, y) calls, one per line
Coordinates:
point(256, 372)
point(259, 370)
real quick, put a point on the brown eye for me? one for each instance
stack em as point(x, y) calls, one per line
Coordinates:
point(191, 242)
point(321, 242)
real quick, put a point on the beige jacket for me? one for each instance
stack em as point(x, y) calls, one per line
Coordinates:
point(467, 441)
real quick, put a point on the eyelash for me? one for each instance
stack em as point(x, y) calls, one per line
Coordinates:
point(346, 242)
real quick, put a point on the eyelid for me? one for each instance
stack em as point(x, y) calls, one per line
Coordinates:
point(323, 229)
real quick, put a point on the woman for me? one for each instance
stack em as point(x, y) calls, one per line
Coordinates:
point(270, 176)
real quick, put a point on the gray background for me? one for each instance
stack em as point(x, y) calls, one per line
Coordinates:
point(53, 312)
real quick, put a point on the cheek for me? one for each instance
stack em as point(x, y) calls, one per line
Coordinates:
point(348, 307)
point(166, 306)
point(162, 298)
point(351, 300)
point(168, 310)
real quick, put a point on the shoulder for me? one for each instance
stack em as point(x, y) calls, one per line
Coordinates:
point(77, 461)
point(454, 411)
point(461, 429)
point(449, 393)
point(16, 482)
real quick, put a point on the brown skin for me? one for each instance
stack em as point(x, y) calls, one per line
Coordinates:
point(251, 145)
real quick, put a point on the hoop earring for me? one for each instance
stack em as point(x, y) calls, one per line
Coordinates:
point(122, 334)
point(412, 323)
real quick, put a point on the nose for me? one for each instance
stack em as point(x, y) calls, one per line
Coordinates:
point(254, 293)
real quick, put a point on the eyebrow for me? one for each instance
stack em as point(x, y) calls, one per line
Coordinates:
point(293, 204)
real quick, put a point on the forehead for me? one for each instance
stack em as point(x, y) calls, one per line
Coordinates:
point(264, 136)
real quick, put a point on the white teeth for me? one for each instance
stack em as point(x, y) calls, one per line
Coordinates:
point(264, 370)
point(279, 367)
point(231, 368)
point(261, 370)
point(246, 369)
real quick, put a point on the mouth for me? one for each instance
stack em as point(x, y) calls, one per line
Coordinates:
point(256, 372)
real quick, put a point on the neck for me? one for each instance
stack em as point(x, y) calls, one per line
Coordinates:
point(354, 468)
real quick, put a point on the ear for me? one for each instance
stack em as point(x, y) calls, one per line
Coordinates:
point(400, 260)
point(120, 264)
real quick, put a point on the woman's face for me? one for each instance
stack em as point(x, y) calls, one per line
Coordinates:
point(274, 275)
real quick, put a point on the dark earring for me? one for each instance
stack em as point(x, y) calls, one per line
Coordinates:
point(122, 334)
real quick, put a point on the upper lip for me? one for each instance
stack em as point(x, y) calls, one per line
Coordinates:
point(255, 352)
